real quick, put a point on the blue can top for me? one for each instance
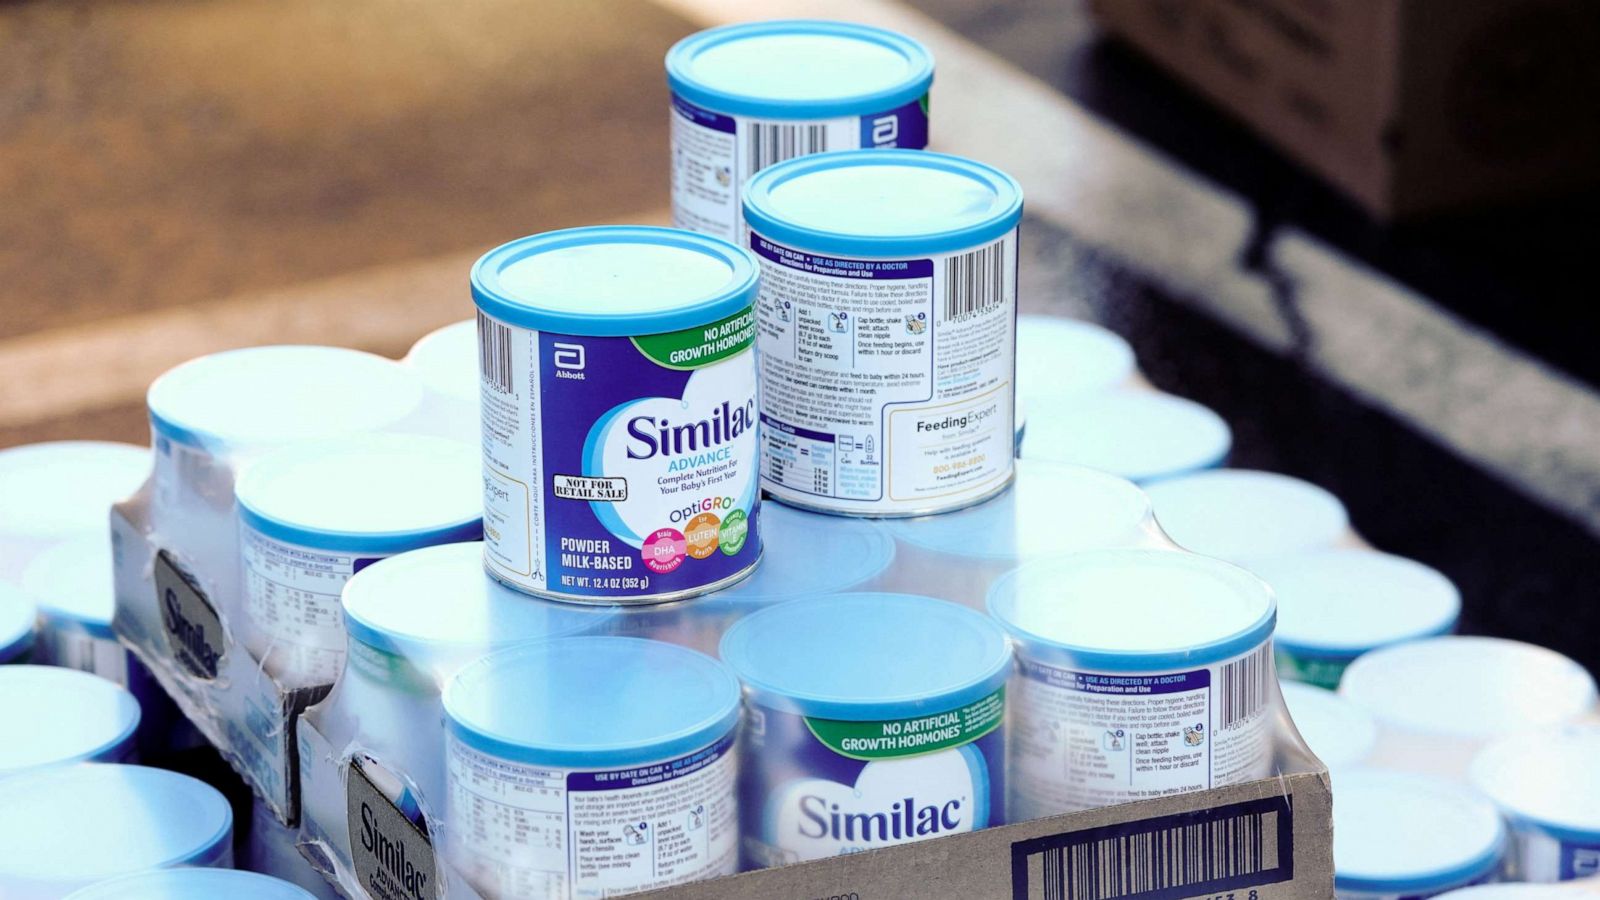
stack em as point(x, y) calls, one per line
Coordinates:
point(266, 396)
point(1240, 514)
point(447, 359)
point(1545, 780)
point(58, 715)
point(72, 584)
point(1405, 834)
point(1139, 435)
point(592, 702)
point(808, 553)
point(193, 884)
point(1142, 611)
point(17, 619)
point(881, 204)
point(93, 821)
point(374, 493)
point(799, 69)
point(439, 597)
point(63, 488)
point(614, 281)
point(867, 657)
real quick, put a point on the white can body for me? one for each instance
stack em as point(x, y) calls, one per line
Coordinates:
point(887, 384)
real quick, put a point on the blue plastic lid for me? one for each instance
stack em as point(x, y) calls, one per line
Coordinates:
point(592, 702)
point(1240, 514)
point(1133, 610)
point(1405, 834)
point(808, 553)
point(193, 884)
point(73, 587)
point(1050, 509)
point(1057, 356)
point(1548, 780)
point(614, 280)
point(1139, 435)
point(57, 715)
point(92, 821)
point(17, 620)
point(879, 204)
point(276, 395)
point(799, 69)
point(65, 488)
point(1337, 731)
point(447, 359)
point(440, 597)
point(1468, 686)
point(371, 493)
point(1342, 603)
point(867, 657)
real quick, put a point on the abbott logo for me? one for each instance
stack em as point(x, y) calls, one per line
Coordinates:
point(569, 356)
point(885, 131)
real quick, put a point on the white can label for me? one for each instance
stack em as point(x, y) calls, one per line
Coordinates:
point(887, 385)
point(292, 598)
point(713, 155)
point(531, 831)
point(1086, 739)
point(71, 648)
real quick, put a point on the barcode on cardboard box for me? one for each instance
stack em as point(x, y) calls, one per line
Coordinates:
point(1225, 848)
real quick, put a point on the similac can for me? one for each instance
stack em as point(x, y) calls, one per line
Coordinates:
point(1398, 836)
point(18, 617)
point(314, 514)
point(1062, 357)
point(54, 491)
point(1339, 732)
point(1245, 515)
point(1336, 604)
point(1547, 783)
point(1140, 673)
point(750, 95)
point(447, 360)
point(63, 716)
point(1141, 435)
point(888, 333)
point(1439, 701)
point(591, 766)
point(870, 720)
point(619, 413)
point(72, 826)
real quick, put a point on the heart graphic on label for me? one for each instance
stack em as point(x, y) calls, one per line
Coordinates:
point(893, 801)
point(692, 452)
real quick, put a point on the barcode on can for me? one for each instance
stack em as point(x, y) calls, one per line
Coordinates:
point(772, 144)
point(1200, 853)
point(1242, 688)
point(494, 354)
point(974, 282)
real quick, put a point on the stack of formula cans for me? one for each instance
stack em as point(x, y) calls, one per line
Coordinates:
point(725, 546)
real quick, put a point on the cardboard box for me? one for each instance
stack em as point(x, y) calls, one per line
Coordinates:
point(176, 631)
point(1408, 106)
point(1275, 834)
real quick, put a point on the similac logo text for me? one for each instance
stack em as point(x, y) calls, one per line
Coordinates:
point(904, 819)
point(651, 436)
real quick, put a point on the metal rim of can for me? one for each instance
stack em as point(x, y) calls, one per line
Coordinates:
point(769, 222)
point(675, 671)
point(737, 295)
point(681, 79)
point(1002, 605)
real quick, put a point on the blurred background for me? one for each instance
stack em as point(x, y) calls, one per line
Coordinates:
point(1362, 231)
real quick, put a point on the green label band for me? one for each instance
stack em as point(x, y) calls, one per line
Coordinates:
point(694, 348)
point(915, 736)
point(1323, 673)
